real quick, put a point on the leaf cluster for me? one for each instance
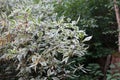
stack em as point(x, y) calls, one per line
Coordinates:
point(42, 47)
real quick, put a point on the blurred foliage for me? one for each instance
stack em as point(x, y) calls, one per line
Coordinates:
point(37, 44)
point(94, 72)
point(97, 17)
point(113, 74)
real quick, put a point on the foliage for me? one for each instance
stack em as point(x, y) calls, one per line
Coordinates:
point(40, 46)
point(113, 73)
point(75, 8)
point(94, 72)
point(97, 18)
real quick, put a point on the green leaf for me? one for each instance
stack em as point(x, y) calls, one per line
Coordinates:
point(36, 1)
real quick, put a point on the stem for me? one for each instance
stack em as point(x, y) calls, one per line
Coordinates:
point(118, 22)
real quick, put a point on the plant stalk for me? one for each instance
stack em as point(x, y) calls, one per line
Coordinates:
point(118, 21)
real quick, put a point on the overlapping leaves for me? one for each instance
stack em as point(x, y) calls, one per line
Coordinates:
point(41, 44)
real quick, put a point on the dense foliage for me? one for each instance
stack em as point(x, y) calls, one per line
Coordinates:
point(98, 19)
point(40, 46)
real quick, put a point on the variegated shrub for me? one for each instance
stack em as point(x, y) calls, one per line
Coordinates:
point(42, 47)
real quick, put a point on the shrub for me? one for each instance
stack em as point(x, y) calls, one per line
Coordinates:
point(40, 46)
